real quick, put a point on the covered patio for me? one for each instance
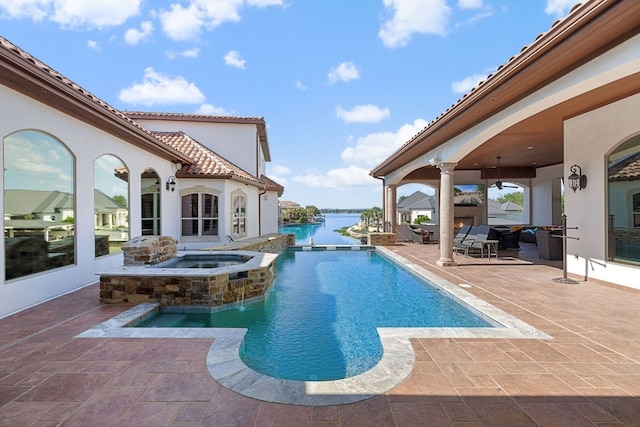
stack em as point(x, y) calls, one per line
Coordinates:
point(561, 106)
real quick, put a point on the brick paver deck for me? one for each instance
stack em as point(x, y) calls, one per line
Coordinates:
point(587, 375)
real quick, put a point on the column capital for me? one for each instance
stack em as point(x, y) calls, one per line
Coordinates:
point(447, 167)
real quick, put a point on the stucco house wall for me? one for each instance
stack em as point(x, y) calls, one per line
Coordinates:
point(86, 144)
point(236, 142)
point(601, 130)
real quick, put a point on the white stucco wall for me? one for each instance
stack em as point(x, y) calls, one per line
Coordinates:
point(601, 131)
point(237, 143)
point(86, 144)
point(269, 211)
point(546, 196)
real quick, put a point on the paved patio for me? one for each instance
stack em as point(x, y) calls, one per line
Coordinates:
point(588, 374)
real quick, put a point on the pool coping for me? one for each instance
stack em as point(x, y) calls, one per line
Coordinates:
point(226, 367)
point(258, 260)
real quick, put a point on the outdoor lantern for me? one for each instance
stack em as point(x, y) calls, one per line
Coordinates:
point(171, 183)
point(576, 179)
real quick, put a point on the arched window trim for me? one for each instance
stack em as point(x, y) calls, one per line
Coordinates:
point(111, 223)
point(238, 213)
point(28, 254)
point(200, 215)
point(623, 214)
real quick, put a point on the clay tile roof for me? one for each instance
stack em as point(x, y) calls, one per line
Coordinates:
point(206, 163)
point(489, 80)
point(271, 185)
point(17, 55)
point(199, 117)
point(259, 122)
point(626, 170)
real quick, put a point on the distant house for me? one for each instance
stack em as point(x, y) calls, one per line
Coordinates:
point(286, 207)
point(507, 213)
point(196, 178)
point(414, 206)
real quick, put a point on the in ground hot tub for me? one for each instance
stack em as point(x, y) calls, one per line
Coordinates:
point(194, 278)
point(204, 260)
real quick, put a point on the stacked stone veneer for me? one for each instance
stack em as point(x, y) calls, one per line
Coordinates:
point(189, 290)
point(148, 250)
point(270, 243)
point(208, 291)
point(381, 239)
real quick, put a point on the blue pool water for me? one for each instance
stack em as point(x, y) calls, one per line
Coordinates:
point(319, 320)
point(324, 233)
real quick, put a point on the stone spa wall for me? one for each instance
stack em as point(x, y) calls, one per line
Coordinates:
point(136, 283)
point(172, 290)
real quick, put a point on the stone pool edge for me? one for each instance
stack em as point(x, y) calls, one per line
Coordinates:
point(226, 367)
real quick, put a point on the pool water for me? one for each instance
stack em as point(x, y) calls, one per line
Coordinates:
point(319, 320)
point(204, 261)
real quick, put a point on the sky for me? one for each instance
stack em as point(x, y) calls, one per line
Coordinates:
point(341, 84)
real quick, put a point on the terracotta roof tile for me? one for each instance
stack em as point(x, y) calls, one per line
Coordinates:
point(199, 117)
point(626, 170)
point(271, 185)
point(31, 62)
point(206, 163)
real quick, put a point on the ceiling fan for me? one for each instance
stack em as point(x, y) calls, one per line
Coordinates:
point(499, 184)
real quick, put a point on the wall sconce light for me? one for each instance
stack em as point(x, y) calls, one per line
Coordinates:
point(435, 161)
point(171, 183)
point(576, 179)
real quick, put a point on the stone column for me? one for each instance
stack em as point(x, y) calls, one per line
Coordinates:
point(446, 214)
point(391, 208)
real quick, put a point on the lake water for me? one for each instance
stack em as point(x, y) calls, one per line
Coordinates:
point(324, 233)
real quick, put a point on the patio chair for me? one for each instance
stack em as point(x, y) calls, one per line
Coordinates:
point(480, 242)
point(466, 232)
point(420, 235)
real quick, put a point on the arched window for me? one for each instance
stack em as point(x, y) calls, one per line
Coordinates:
point(111, 205)
point(150, 188)
point(239, 212)
point(624, 202)
point(39, 204)
point(199, 215)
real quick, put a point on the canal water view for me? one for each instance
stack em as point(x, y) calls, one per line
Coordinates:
point(324, 233)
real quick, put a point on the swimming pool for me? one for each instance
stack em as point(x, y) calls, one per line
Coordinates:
point(319, 322)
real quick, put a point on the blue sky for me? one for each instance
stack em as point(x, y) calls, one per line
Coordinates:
point(341, 84)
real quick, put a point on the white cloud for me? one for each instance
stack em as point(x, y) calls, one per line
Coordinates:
point(265, 3)
point(300, 86)
point(276, 172)
point(212, 110)
point(93, 45)
point(468, 83)
point(351, 176)
point(188, 53)
point(160, 89)
point(133, 36)
point(181, 23)
point(186, 23)
point(413, 16)
point(277, 169)
point(37, 10)
point(363, 114)
point(469, 4)
point(372, 149)
point(344, 72)
point(232, 59)
point(74, 13)
point(559, 7)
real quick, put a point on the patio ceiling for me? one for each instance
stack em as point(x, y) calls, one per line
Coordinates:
point(590, 30)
